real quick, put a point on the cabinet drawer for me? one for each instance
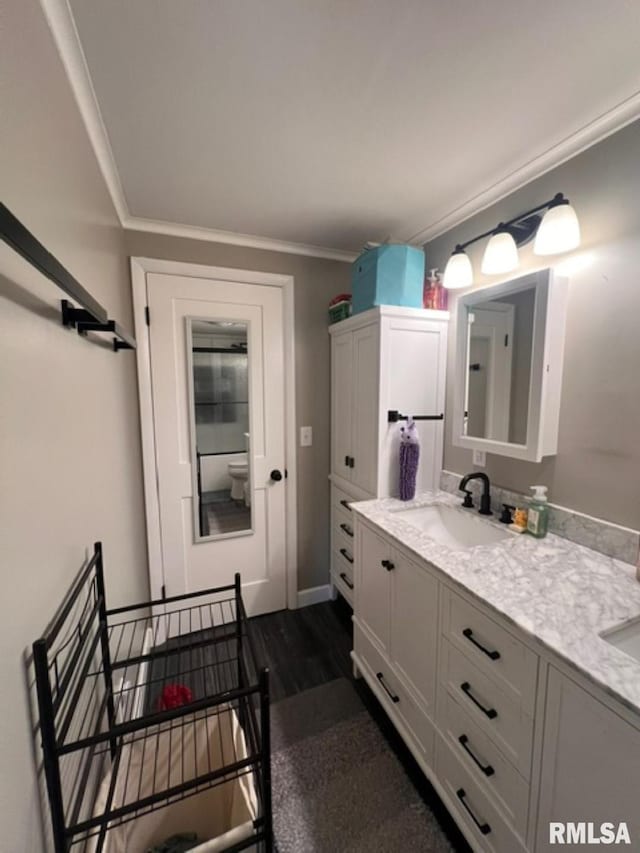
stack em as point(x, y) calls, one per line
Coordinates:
point(484, 761)
point(493, 649)
point(494, 711)
point(343, 584)
point(341, 500)
point(342, 533)
point(473, 807)
point(393, 695)
point(340, 565)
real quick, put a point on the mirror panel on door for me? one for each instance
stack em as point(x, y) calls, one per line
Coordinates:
point(220, 427)
point(510, 341)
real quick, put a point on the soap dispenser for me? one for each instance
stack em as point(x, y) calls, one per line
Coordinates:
point(538, 515)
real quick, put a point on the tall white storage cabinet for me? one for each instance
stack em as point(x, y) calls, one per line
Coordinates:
point(386, 359)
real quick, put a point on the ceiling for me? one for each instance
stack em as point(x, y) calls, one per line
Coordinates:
point(334, 122)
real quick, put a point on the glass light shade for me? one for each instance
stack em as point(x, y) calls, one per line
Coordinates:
point(559, 231)
point(458, 273)
point(501, 254)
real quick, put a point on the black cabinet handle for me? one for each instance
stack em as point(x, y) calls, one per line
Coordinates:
point(345, 504)
point(490, 712)
point(486, 769)
point(352, 462)
point(484, 828)
point(346, 580)
point(276, 475)
point(346, 555)
point(391, 695)
point(346, 461)
point(468, 633)
point(388, 565)
point(347, 530)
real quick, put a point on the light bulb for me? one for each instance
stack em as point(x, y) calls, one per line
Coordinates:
point(501, 254)
point(458, 273)
point(559, 231)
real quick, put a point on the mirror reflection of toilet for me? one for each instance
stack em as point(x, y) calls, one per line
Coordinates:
point(239, 473)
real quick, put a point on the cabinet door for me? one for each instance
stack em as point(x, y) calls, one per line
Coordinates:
point(412, 380)
point(590, 764)
point(341, 403)
point(414, 629)
point(364, 441)
point(374, 559)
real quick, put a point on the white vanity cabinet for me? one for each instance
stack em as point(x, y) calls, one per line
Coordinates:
point(590, 763)
point(509, 737)
point(385, 359)
point(396, 633)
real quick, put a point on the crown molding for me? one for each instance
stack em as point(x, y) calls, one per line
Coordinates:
point(65, 35)
point(595, 131)
point(211, 235)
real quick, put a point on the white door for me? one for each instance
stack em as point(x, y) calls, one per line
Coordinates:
point(217, 378)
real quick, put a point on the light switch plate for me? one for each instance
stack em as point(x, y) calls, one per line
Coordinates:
point(306, 436)
point(480, 458)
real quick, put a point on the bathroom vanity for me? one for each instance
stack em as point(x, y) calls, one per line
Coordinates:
point(485, 649)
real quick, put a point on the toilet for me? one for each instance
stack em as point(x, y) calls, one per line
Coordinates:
point(239, 473)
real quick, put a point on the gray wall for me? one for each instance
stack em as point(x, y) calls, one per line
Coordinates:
point(69, 438)
point(316, 282)
point(597, 468)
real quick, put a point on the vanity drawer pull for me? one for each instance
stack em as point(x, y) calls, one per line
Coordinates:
point(388, 565)
point(488, 769)
point(484, 828)
point(346, 555)
point(468, 633)
point(346, 580)
point(391, 695)
point(490, 712)
point(345, 504)
point(347, 530)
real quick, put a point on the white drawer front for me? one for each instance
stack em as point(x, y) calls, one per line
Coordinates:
point(495, 711)
point(473, 807)
point(341, 563)
point(484, 761)
point(492, 648)
point(341, 500)
point(395, 698)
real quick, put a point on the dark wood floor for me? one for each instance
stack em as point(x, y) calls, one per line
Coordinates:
point(307, 647)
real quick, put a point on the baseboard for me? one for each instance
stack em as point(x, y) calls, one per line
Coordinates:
point(314, 595)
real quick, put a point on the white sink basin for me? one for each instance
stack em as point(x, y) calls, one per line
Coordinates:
point(452, 527)
point(625, 637)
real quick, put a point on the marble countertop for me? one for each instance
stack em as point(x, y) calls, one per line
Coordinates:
point(562, 594)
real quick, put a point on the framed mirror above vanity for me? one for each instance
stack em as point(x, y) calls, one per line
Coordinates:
point(509, 357)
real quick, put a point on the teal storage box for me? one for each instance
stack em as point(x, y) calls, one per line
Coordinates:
point(388, 275)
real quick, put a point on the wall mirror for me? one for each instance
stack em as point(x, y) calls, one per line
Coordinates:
point(220, 427)
point(509, 354)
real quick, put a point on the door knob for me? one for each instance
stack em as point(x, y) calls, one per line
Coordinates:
point(276, 475)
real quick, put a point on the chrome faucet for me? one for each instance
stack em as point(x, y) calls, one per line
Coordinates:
point(485, 499)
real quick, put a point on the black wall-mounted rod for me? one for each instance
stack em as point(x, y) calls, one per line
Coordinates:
point(393, 416)
point(91, 316)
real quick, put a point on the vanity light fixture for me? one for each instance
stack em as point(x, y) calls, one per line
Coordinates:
point(501, 254)
point(555, 232)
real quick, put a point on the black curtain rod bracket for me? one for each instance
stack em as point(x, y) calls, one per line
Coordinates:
point(393, 416)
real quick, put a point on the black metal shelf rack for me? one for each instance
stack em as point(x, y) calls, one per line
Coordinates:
point(102, 677)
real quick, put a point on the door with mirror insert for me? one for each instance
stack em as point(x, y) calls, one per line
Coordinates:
point(217, 360)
